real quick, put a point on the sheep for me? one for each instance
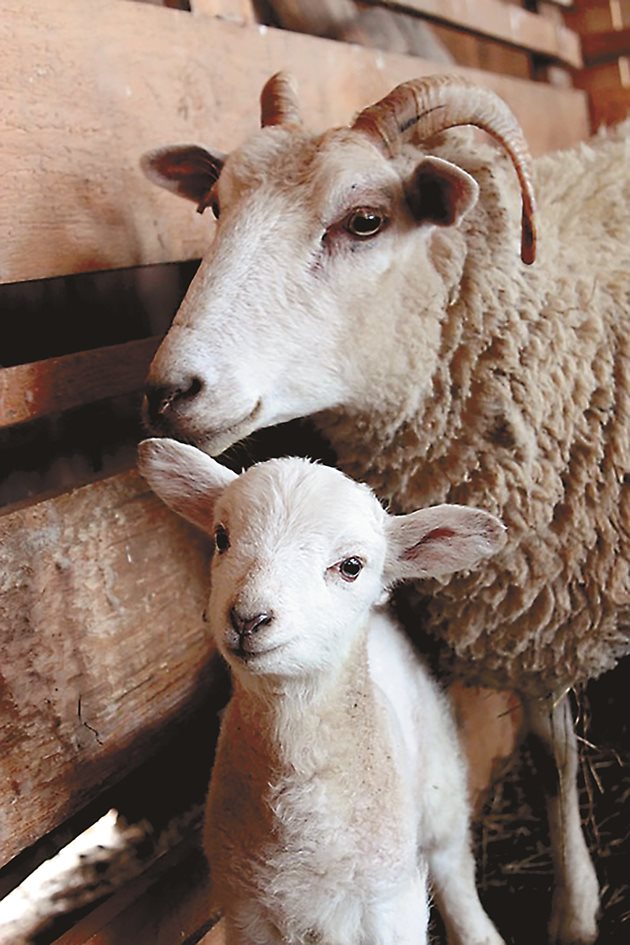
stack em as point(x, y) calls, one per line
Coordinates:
point(338, 776)
point(368, 277)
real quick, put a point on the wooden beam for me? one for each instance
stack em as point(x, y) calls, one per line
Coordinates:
point(89, 85)
point(104, 646)
point(611, 107)
point(29, 391)
point(609, 44)
point(169, 903)
point(500, 21)
point(592, 16)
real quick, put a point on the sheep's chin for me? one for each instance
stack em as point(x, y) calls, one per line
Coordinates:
point(216, 442)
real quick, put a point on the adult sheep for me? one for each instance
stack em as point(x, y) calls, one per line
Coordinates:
point(361, 279)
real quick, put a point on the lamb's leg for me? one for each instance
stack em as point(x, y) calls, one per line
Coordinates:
point(576, 895)
point(403, 919)
point(452, 869)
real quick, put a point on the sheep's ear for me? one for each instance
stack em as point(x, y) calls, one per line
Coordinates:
point(188, 171)
point(440, 540)
point(441, 193)
point(187, 480)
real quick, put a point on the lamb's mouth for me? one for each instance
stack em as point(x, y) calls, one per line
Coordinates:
point(216, 442)
point(250, 656)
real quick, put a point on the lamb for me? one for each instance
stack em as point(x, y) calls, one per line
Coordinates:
point(368, 277)
point(338, 776)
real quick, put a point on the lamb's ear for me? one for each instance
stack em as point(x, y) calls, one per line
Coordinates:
point(441, 193)
point(440, 540)
point(188, 171)
point(187, 480)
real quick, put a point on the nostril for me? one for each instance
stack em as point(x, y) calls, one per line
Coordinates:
point(195, 387)
point(160, 399)
point(246, 626)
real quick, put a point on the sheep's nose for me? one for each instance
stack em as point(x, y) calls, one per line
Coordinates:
point(161, 399)
point(246, 626)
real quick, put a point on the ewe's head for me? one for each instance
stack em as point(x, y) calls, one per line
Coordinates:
point(302, 553)
point(296, 307)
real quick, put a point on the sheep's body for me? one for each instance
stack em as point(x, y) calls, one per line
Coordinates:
point(528, 415)
point(440, 369)
point(338, 779)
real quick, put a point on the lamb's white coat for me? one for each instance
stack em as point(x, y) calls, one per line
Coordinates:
point(338, 778)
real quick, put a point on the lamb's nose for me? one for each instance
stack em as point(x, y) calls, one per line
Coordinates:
point(160, 400)
point(246, 626)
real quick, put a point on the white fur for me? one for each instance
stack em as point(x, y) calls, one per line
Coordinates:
point(338, 781)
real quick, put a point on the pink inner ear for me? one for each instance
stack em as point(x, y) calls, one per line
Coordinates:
point(434, 535)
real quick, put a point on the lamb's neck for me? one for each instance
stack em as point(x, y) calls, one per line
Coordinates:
point(289, 719)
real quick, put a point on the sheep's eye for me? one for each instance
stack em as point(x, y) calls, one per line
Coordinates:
point(216, 209)
point(364, 222)
point(350, 568)
point(221, 539)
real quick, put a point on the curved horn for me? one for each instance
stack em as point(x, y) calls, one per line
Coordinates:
point(436, 103)
point(278, 101)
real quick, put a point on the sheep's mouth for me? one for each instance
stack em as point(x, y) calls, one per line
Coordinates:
point(216, 442)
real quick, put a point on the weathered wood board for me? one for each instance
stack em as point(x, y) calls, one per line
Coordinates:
point(29, 391)
point(103, 643)
point(502, 21)
point(170, 903)
point(88, 85)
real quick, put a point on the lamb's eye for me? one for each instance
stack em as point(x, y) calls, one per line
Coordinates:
point(350, 568)
point(221, 539)
point(364, 222)
point(216, 209)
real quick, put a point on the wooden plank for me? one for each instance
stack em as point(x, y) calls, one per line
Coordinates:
point(239, 11)
point(608, 76)
point(170, 903)
point(546, 70)
point(501, 21)
point(611, 107)
point(29, 391)
point(104, 646)
point(588, 16)
point(609, 44)
point(88, 85)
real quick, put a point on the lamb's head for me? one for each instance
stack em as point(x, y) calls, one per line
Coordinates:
point(302, 553)
point(297, 306)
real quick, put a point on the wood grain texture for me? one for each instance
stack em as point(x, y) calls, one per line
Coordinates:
point(240, 11)
point(611, 106)
point(502, 21)
point(103, 642)
point(170, 903)
point(598, 47)
point(29, 391)
point(88, 85)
